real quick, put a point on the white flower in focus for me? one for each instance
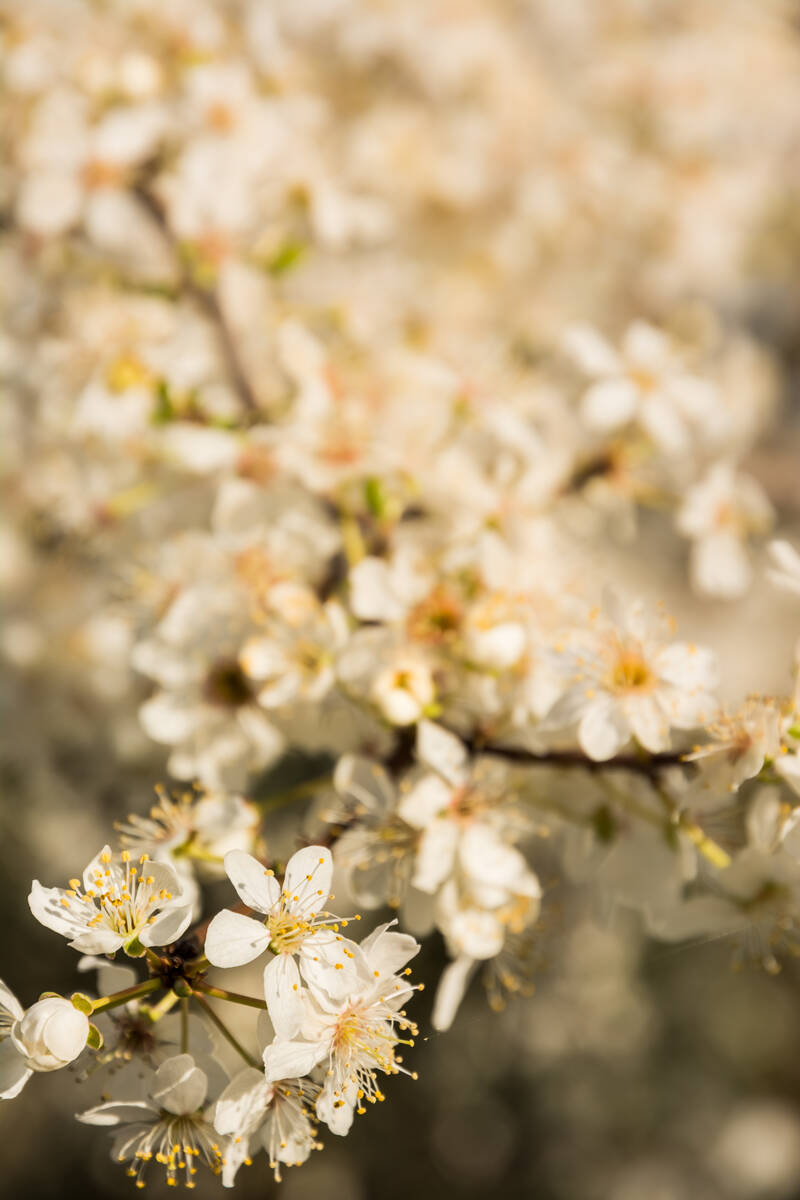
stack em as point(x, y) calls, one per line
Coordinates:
point(272, 1116)
point(719, 514)
point(170, 1127)
point(296, 924)
point(354, 1038)
point(624, 683)
point(644, 383)
point(51, 1034)
point(118, 906)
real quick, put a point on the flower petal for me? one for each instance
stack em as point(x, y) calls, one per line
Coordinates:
point(14, 1072)
point(233, 939)
point(243, 1102)
point(257, 887)
point(292, 1060)
point(282, 991)
point(307, 883)
point(180, 1087)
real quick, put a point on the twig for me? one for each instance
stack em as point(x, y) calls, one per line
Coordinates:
point(206, 299)
point(226, 1033)
point(199, 985)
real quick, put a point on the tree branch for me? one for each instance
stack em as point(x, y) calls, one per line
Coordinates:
point(205, 298)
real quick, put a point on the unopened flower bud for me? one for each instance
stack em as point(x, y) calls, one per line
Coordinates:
point(51, 1034)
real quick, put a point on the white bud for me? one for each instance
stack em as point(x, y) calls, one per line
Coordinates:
point(51, 1034)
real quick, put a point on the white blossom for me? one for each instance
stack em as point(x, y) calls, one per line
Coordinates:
point(170, 1127)
point(296, 923)
point(353, 1038)
point(116, 906)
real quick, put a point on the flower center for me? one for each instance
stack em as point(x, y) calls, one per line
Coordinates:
point(631, 673)
point(227, 686)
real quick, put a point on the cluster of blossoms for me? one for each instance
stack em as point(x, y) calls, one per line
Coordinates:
point(312, 419)
point(331, 1020)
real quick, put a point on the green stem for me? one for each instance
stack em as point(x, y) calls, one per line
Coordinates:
point(184, 1025)
point(226, 1033)
point(163, 1007)
point(154, 959)
point(199, 985)
point(131, 993)
point(298, 792)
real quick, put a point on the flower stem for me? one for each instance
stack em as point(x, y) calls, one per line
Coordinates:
point(298, 792)
point(163, 1007)
point(184, 1025)
point(226, 1033)
point(131, 993)
point(710, 850)
point(199, 985)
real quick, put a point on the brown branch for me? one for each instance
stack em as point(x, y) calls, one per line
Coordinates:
point(639, 765)
point(649, 765)
point(205, 298)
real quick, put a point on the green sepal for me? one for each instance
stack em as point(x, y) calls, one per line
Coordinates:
point(95, 1038)
point(134, 948)
point(82, 1003)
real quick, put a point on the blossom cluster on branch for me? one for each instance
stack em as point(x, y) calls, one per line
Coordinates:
point(324, 373)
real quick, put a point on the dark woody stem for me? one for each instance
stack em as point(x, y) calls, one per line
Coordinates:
point(205, 298)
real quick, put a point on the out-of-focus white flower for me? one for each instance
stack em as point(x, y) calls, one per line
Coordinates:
point(719, 514)
point(119, 906)
point(742, 742)
point(171, 1127)
point(253, 1113)
point(189, 827)
point(785, 572)
point(296, 924)
point(206, 708)
point(379, 847)
point(624, 683)
point(355, 1037)
point(296, 661)
point(756, 900)
point(646, 383)
point(75, 170)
